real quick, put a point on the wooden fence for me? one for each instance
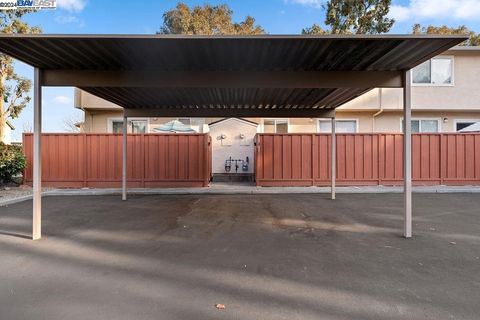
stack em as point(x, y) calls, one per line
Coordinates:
point(95, 160)
point(366, 159)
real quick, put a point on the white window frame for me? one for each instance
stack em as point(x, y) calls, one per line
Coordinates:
point(341, 119)
point(462, 120)
point(452, 58)
point(439, 124)
point(116, 119)
point(275, 123)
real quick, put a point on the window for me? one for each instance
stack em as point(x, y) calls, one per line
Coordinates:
point(436, 71)
point(117, 126)
point(424, 125)
point(139, 126)
point(467, 125)
point(341, 126)
point(134, 126)
point(275, 126)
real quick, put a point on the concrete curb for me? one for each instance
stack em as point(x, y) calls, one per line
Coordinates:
point(5, 203)
point(230, 190)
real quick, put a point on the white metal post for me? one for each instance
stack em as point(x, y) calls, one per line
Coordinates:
point(407, 151)
point(334, 156)
point(124, 158)
point(37, 156)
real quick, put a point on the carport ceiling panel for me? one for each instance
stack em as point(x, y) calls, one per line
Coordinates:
point(192, 101)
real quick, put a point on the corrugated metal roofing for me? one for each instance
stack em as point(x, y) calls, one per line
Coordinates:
point(225, 53)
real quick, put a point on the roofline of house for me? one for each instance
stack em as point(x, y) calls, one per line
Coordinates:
point(465, 49)
point(233, 118)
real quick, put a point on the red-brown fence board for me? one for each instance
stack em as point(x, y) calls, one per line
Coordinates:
point(95, 160)
point(367, 159)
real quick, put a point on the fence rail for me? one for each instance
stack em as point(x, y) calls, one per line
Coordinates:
point(366, 159)
point(95, 160)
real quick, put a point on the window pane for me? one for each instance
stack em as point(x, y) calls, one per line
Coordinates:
point(342, 126)
point(139, 126)
point(117, 126)
point(325, 126)
point(442, 71)
point(269, 126)
point(415, 126)
point(346, 126)
point(429, 126)
point(463, 125)
point(282, 126)
point(421, 73)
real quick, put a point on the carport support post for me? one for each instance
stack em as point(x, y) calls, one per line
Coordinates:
point(407, 152)
point(334, 156)
point(37, 155)
point(124, 158)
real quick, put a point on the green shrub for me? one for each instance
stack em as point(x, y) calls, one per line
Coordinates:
point(12, 162)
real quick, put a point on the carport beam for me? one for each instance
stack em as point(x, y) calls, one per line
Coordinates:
point(37, 155)
point(334, 156)
point(407, 152)
point(124, 158)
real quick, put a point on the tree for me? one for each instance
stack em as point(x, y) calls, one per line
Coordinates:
point(206, 20)
point(355, 16)
point(474, 38)
point(14, 89)
point(73, 124)
point(315, 29)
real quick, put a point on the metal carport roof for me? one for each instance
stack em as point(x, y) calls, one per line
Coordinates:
point(221, 76)
point(224, 76)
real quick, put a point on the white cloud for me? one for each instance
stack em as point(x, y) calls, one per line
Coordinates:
point(65, 19)
point(436, 9)
point(71, 5)
point(62, 100)
point(307, 3)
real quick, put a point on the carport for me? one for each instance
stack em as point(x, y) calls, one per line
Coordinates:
point(225, 76)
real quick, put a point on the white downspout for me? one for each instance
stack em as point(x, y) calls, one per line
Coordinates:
point(380, 110)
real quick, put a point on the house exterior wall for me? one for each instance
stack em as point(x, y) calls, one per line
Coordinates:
point(463, 95)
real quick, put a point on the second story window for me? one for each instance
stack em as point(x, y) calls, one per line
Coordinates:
point(436, 71)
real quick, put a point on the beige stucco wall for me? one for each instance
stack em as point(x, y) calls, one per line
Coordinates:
point(88, 101)
point(391, 121)
point(463, 95)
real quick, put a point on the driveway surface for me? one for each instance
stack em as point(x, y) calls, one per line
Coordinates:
point(279, 256)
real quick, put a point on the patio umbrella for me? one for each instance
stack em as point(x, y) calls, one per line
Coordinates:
point(173, 126)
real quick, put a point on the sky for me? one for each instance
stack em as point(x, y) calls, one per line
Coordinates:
point(145, 17)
